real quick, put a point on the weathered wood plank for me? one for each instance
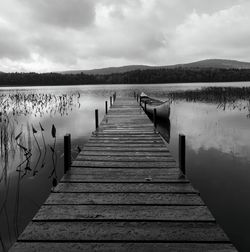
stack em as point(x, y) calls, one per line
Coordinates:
point(122, 145)
point(116, 178)
point(126, 149)
point(128, 133)
point(125, 154)
point(156, 172)
point(125, 138)
point(168, 164)
point(124, 231)
point(126, 187)
point(82, 157)
point(77, 174)
point(123, 212)
point(121, 247)
point(127, 141)
point(124, 198)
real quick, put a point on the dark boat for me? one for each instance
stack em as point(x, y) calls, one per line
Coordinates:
point(149, 104)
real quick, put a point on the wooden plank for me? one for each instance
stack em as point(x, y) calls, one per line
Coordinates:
point(131, 158)
point(125, 154)
point(154, 172)
point(122, 145)
point(126, 187)
point(128, 134)
point(116, 178)
point(79, 174)
point(121, 247)
point(124, 199)
point(122, 212)
point(123, 142)
point(124, 231)
point(168, 164)
point(126, 149)
point(125, 137)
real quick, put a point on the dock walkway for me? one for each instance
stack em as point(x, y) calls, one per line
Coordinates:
point(124, 193)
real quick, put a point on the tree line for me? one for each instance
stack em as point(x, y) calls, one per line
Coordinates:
point(175, 75)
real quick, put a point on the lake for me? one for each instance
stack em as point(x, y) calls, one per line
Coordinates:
point(217, 138)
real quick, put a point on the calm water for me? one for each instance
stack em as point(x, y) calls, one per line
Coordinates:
point(218, 149)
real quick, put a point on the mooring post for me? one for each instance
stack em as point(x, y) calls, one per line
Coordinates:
point(155, 118)
point(67, 152)
point(110, 101)
point(106, 107)
point(140, 101)
point(96, 119)
point(182, 153)
point(145, 106)
point(113, 98)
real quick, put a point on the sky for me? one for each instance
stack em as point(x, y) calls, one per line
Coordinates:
point(58, 35)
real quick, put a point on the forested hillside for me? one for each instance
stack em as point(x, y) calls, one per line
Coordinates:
point(177, 75)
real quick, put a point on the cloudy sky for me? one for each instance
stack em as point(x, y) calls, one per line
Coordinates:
point(51, 35)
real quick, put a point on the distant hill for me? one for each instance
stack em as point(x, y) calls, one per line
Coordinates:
point(216, 63)
point(208, 63)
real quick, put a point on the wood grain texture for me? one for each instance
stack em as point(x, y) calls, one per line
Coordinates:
point(124, 231)
point(125, 187)
point(124, 198)
point(121, 247)
point(167, 164)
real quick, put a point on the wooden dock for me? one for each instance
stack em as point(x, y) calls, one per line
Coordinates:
point(124, 193)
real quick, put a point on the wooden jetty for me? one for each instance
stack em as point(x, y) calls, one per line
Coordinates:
point(124, 192)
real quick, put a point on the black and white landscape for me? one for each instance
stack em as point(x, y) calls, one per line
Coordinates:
point(129, 80)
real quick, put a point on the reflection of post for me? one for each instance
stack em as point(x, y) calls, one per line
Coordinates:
point(67, 152)
point(182, 153)
point(110, 101)
point(155, 117)
point(106, 107)
point(96, 119)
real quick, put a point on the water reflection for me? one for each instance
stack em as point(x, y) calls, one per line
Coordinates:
point(225, 98)
point(164, 127)
point(28, 146)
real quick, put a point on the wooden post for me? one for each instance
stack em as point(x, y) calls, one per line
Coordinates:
point(182, 153)
point(137, 97)
point(110, 101)
point(67, 152)
point(145, 106)
point(96, 119)
point(113, 98)
point(155, 118)
point(106, 107)
point(140, 101)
